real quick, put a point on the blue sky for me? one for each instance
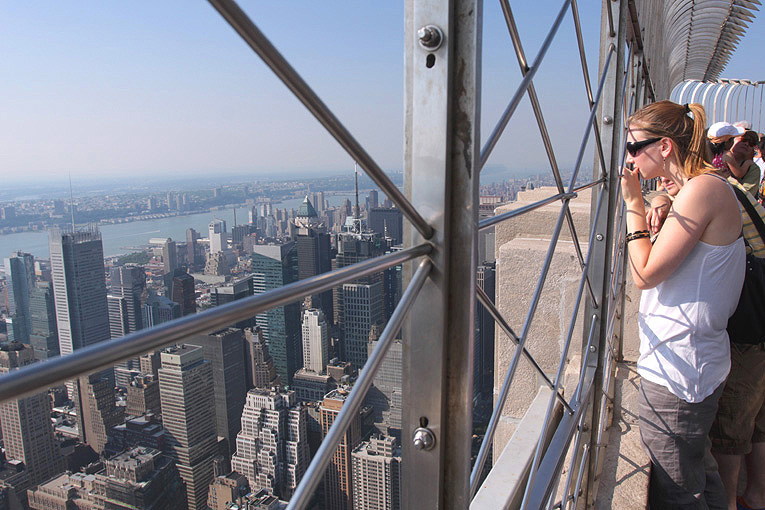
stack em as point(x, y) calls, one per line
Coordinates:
point(139, 89)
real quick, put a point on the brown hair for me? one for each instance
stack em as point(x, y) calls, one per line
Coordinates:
point(671, 120)
point(751, 137)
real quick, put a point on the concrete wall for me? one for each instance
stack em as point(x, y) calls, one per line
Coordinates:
point(521, 247)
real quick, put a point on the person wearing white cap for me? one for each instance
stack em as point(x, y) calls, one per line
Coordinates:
point(722, 137)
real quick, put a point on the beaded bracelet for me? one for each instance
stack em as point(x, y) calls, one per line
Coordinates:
point(639, 234)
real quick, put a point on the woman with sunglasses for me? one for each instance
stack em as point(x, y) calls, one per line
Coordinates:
point(691, 278)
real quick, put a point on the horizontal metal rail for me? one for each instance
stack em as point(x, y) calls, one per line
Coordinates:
point(90, 359)
point(302, 496)
point(252, 35)
point(505, 327)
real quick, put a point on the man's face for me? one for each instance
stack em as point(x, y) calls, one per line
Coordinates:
point(742, 148)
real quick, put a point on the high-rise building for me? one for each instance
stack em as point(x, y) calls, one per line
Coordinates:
point(314, 253)
point(274, 266)
point(225, 490)
point(272, 447)
point(224, 351)
point(179, 287)
point(353, 247)
point(483, 364)
point(372, 199)
point(188, 414)
point(20, 280)
point(239, 289)
point(79, 289)
point(338, 486)
point(384, 396)
point(387, 223)
point(259, 365)
point(377, 474)
point(42, 311)
point(27, 429)
point(140, 478)
point(194, 255)
point(143, 396)
point(169, 256)
point(363, 304)
point(96, 410)
point(218, 236)
point(159, 309)
point(315, 340)
point(125, 300)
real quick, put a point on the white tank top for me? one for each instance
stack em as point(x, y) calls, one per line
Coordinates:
point(683, 343)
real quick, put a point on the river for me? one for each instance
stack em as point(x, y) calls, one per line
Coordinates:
point(120, 238)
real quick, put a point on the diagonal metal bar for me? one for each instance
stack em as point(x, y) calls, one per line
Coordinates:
point(315, 471)
point(564, 351)
point(587, 85)
point(591, 118)
point(242, 24)
point(492, 309)
point(87, 360)
point(483, 452)
point(515, 37)
point(516, 99)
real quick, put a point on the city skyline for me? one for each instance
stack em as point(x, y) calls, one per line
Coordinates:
point(126, 90)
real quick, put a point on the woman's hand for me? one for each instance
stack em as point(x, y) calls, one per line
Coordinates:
point(656, 215)
point(631, 190)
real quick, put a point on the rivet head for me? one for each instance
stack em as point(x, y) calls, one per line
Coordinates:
point(430, 37)
point(593, 348)
point(423, 439)
point(599, 237)
point(608, 120)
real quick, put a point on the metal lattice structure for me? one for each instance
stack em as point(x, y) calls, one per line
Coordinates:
point(444, 154)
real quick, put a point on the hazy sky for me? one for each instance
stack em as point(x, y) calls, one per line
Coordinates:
point(167, 88)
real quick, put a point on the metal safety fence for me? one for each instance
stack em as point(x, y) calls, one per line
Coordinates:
point(443, 159)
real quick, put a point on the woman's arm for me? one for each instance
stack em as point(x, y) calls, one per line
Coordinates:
point(656, 215)
point(738, 171)
point(693, 209)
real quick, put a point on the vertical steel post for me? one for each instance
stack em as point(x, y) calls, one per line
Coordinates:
point(611, 131)
point(441, 162)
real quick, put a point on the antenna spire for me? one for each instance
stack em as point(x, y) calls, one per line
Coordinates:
point(71, 200)
point(356, 218)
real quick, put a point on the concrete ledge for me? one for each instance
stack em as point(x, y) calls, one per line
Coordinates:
point(624, 479)
point(504, 486)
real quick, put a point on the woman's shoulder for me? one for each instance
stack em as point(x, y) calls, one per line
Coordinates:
point(707, 190)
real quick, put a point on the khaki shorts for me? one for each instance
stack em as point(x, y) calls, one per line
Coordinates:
point(740, 419)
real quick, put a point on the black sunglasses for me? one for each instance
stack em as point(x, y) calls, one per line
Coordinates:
point(634, 148)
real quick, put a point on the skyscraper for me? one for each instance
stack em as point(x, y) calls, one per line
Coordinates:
point(314, 253)
point(363, 305)
point(79, 289)
point(77, 269)
point(259, 365)
point(179, 286)
point(224, 351)
point(169, 256)
point(315, 340)
point(384, 396)
point(27, 429)
point(193, 253)
point(239, 289)
point(42, 312)
point(273, 266)
point(159, 309)
point(20, 279)
point(483, 369)
point(188, 414)
point(272, 447)
point(96, 410)
point(125, 302)
point(338, 488)
point(218, 236)
point(377, 475)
